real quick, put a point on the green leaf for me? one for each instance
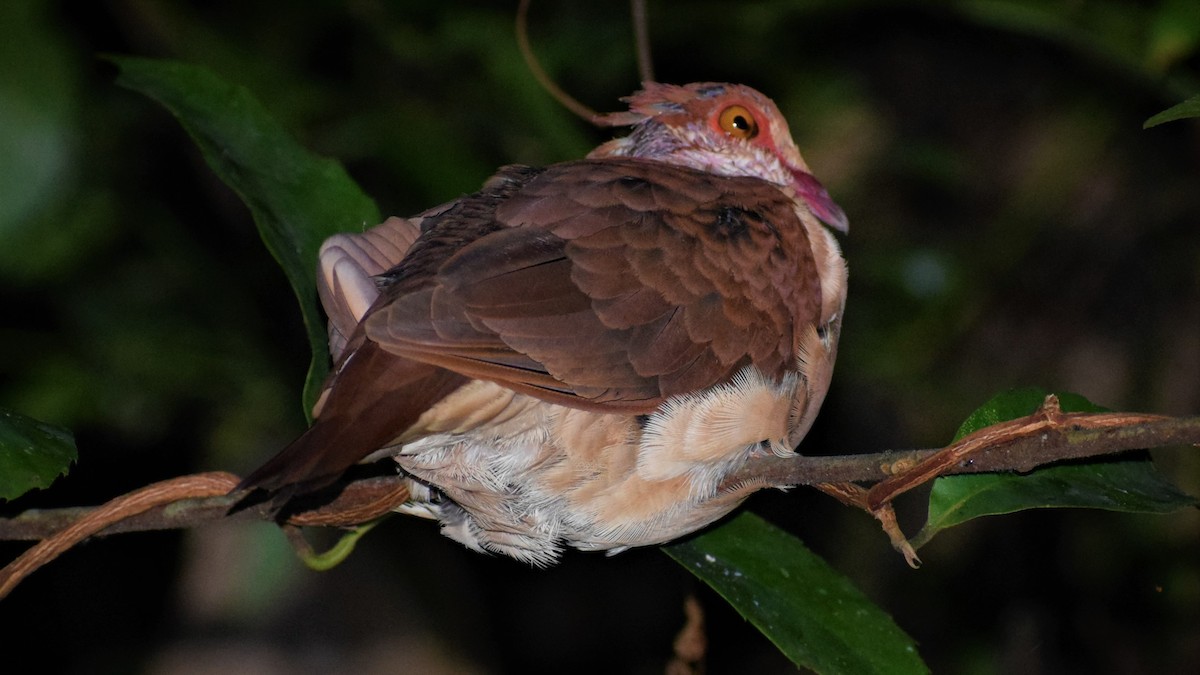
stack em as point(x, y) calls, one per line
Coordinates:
point(814, 615)
point(32, 454)
point(1132, 486)
point(1189, 108)
point(296, 197)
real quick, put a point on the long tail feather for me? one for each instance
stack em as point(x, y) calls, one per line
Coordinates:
point(375, 397)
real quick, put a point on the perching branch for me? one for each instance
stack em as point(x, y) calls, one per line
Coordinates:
point(187, 501)
point(1047, 436)
point(1019, 445)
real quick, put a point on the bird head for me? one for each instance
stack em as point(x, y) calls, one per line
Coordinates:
point(727, 129)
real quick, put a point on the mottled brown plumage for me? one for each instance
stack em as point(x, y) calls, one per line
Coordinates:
point(578, 354)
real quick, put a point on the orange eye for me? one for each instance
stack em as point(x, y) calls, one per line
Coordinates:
point(738, 122)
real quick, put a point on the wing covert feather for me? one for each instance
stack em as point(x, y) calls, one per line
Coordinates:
point(606, 283)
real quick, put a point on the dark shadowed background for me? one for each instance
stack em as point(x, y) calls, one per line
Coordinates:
point(1011, 225)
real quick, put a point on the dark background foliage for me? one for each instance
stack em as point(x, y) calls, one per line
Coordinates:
point(1011, 224)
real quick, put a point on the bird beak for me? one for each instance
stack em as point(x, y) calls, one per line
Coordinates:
point(819, 202)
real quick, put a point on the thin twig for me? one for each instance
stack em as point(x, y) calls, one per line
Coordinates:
point(1021, 454)
point(196, 486)
point(641, 34)
point(853, 494)
point(1048, 426)
point(186, 501)
point(569, 102)
point(357, 502)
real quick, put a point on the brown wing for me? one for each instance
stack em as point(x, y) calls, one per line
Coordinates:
point(610, 284)
point(606, 284)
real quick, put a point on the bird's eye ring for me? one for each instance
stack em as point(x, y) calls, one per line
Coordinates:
point(738, 122)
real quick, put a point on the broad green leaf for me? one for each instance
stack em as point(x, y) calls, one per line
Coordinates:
point(1189, 108)
point(296, 197)
point(1132, 486)
point(814, 615)
point(32, 454)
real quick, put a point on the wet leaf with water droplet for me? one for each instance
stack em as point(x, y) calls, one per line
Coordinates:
point(813, 614)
